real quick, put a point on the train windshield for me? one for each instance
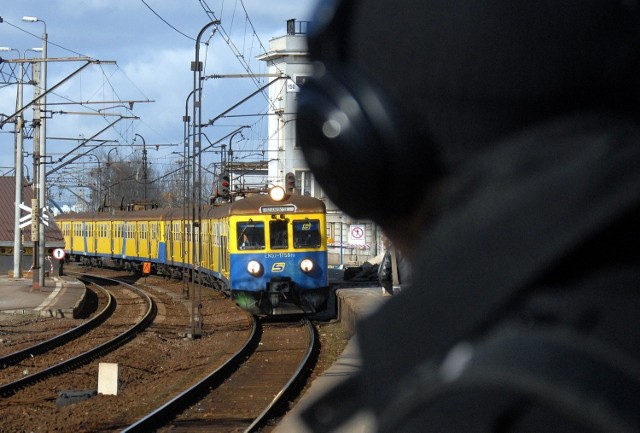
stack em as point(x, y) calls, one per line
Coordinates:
point(250, 235)
point(278, 234)
point(306, 234)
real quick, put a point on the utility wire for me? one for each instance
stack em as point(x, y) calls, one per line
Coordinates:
point(48, 40)
point(107, 78)
point(255, 33)
point(165, 21)
point(236, 52)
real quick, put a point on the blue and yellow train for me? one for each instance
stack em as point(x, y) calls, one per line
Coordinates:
point(268, 250)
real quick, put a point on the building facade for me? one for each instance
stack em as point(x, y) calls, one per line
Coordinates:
point(351, 241)
point(53, 235)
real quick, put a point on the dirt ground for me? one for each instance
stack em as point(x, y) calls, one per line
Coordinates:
point(152, 367)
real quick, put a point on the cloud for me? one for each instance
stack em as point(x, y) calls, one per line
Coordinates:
point(153, 61)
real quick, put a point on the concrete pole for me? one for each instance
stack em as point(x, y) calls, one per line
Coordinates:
point(42, 199)
point(35, 203)
point(17, 233)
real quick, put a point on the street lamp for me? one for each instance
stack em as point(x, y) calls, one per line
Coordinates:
point(108, 204)
point(196, 190)
point(230, 154)
point(40, 157)
point(144, 165)
point(239, 131)
point(98, 181)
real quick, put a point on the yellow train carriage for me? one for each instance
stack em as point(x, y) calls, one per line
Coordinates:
point(114, 238)
point(142, 236)
point(215, 241)
point(103, 232)
point(269, 253)
point(84, 235)
point(178, 246)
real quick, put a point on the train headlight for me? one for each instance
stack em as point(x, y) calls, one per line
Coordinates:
point(254, 268)
point(277, 193)
point(307, 265)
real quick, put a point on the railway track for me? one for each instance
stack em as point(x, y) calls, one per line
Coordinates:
point(156, 365)
point(119, 329)
point(242, 393)
point(65, 337)
point(188, 383)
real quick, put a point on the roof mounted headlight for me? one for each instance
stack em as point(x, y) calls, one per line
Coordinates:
point(277, 193)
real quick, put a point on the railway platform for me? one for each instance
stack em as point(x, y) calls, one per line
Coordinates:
point(60, 297)
point(352, 305)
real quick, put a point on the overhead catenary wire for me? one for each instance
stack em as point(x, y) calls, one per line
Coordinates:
point(234, 49)
point(107, 78)
point(165, 21)
point(227, 39)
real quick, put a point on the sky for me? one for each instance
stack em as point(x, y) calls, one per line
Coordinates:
point(152, 43)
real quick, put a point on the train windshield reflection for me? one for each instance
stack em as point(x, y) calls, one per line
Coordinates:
point(278, 234)
point(306, 234)
point(250, 235)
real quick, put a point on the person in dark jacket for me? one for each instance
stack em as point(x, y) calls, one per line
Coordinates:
point(394, 271)
point(513, 131)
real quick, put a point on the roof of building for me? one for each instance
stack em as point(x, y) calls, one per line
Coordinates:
point(7, 213)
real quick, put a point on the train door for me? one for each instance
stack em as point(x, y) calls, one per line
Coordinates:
point(217, 250)
point(224, 248)
point(143, 240)
point(161, 242)
point(118, 239)
point(179, 229)
point(153, 240)
point(135, 232)
point(224, 265)
point(168, 232)
point(85, 245)
point(213, 240)
point(148, 240)
point(93, 237)
point(205, 238)
point(278, 234)
point(123, 234)
point(111, 235)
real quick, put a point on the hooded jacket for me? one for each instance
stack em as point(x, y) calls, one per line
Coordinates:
point(525, 290)
point(536, 241)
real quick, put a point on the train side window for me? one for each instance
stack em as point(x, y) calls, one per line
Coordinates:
point(306, 234)
point(250, 235)
point(278, 234)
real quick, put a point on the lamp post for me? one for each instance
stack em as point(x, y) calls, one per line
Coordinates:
point(98, 182)
point(108, 204)
point(230, 154)
point(196, 190)
point(144, 165)
point(39, 158)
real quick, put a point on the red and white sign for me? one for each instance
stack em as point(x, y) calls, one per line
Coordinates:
point(58, 253)
point(357, 234)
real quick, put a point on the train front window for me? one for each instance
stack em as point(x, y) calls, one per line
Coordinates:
point(250, 235)
point(278, 234)
point(306, 234)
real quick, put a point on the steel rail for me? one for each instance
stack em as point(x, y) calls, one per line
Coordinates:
point(59, 340)
point(286, 389)
point(79, 360)
point(168, 410)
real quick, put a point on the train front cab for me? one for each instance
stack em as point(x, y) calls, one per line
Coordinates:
point(279, 263)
